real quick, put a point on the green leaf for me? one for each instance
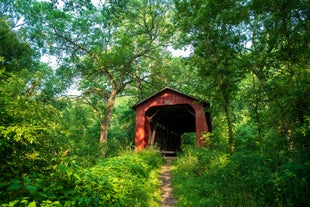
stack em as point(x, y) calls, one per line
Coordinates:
point(77, 176)
point(15, 185)
point(62, 168)
point(32, 204)
point(12, 203)
point(31, 188)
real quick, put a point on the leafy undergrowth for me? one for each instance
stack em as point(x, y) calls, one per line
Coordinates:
point(202, 177)
point(128, 180)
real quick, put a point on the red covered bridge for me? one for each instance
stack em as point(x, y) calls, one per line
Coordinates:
point(162, 118)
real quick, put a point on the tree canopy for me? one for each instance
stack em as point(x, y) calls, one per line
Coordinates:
point(102, 45)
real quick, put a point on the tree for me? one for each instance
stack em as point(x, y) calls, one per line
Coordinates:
point(279, 60)
point(16, 54)
point(27, 123)
point(213, 29)
point(102, 44)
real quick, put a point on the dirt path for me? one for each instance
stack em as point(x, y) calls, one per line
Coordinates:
point(168, 199)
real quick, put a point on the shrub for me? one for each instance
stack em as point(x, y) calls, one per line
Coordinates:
point(128, 180)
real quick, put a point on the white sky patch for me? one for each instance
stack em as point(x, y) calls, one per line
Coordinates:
point(98, 3)
point(50, 60)
point(73, 90)
point(184, 52)
point(248, 44)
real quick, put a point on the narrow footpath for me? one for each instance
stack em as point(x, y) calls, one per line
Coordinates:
point(168, 199)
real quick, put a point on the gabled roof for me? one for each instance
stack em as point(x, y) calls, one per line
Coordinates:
point(162, 91)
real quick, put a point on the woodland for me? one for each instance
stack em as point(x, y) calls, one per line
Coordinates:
point(250, 59)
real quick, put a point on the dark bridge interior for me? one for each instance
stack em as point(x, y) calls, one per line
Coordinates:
point(168, 123)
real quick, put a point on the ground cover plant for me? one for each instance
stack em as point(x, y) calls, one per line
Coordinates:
point(210, 178)
point(131, 179)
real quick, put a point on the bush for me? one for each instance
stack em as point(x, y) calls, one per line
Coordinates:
point(128, 180)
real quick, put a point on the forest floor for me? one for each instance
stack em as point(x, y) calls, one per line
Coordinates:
point(168, 199)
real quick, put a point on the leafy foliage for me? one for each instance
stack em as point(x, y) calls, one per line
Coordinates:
point(247, 178)
point(131, 179)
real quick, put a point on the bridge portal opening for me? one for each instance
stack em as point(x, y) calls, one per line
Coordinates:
point(168, 124)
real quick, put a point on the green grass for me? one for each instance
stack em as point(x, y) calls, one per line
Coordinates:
point(201, 177)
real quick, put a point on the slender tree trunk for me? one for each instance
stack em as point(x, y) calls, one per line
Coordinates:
point(107, 117)
point(256, 103)
point(258, 122)
point(229, 125)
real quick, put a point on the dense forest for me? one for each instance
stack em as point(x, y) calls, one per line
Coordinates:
point(250, 59)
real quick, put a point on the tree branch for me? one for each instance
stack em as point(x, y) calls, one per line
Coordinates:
point(88, 51)
point(77, 45)
point(98, 112)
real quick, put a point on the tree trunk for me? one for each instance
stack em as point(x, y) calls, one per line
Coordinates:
point(229, 125)
point(107, 117)
point(257, 100)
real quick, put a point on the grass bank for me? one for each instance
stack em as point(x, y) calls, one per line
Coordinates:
point(201, 177)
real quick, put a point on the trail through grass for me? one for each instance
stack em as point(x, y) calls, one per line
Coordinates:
point(168, 199)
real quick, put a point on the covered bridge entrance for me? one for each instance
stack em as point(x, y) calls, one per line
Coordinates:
point(162, 119)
